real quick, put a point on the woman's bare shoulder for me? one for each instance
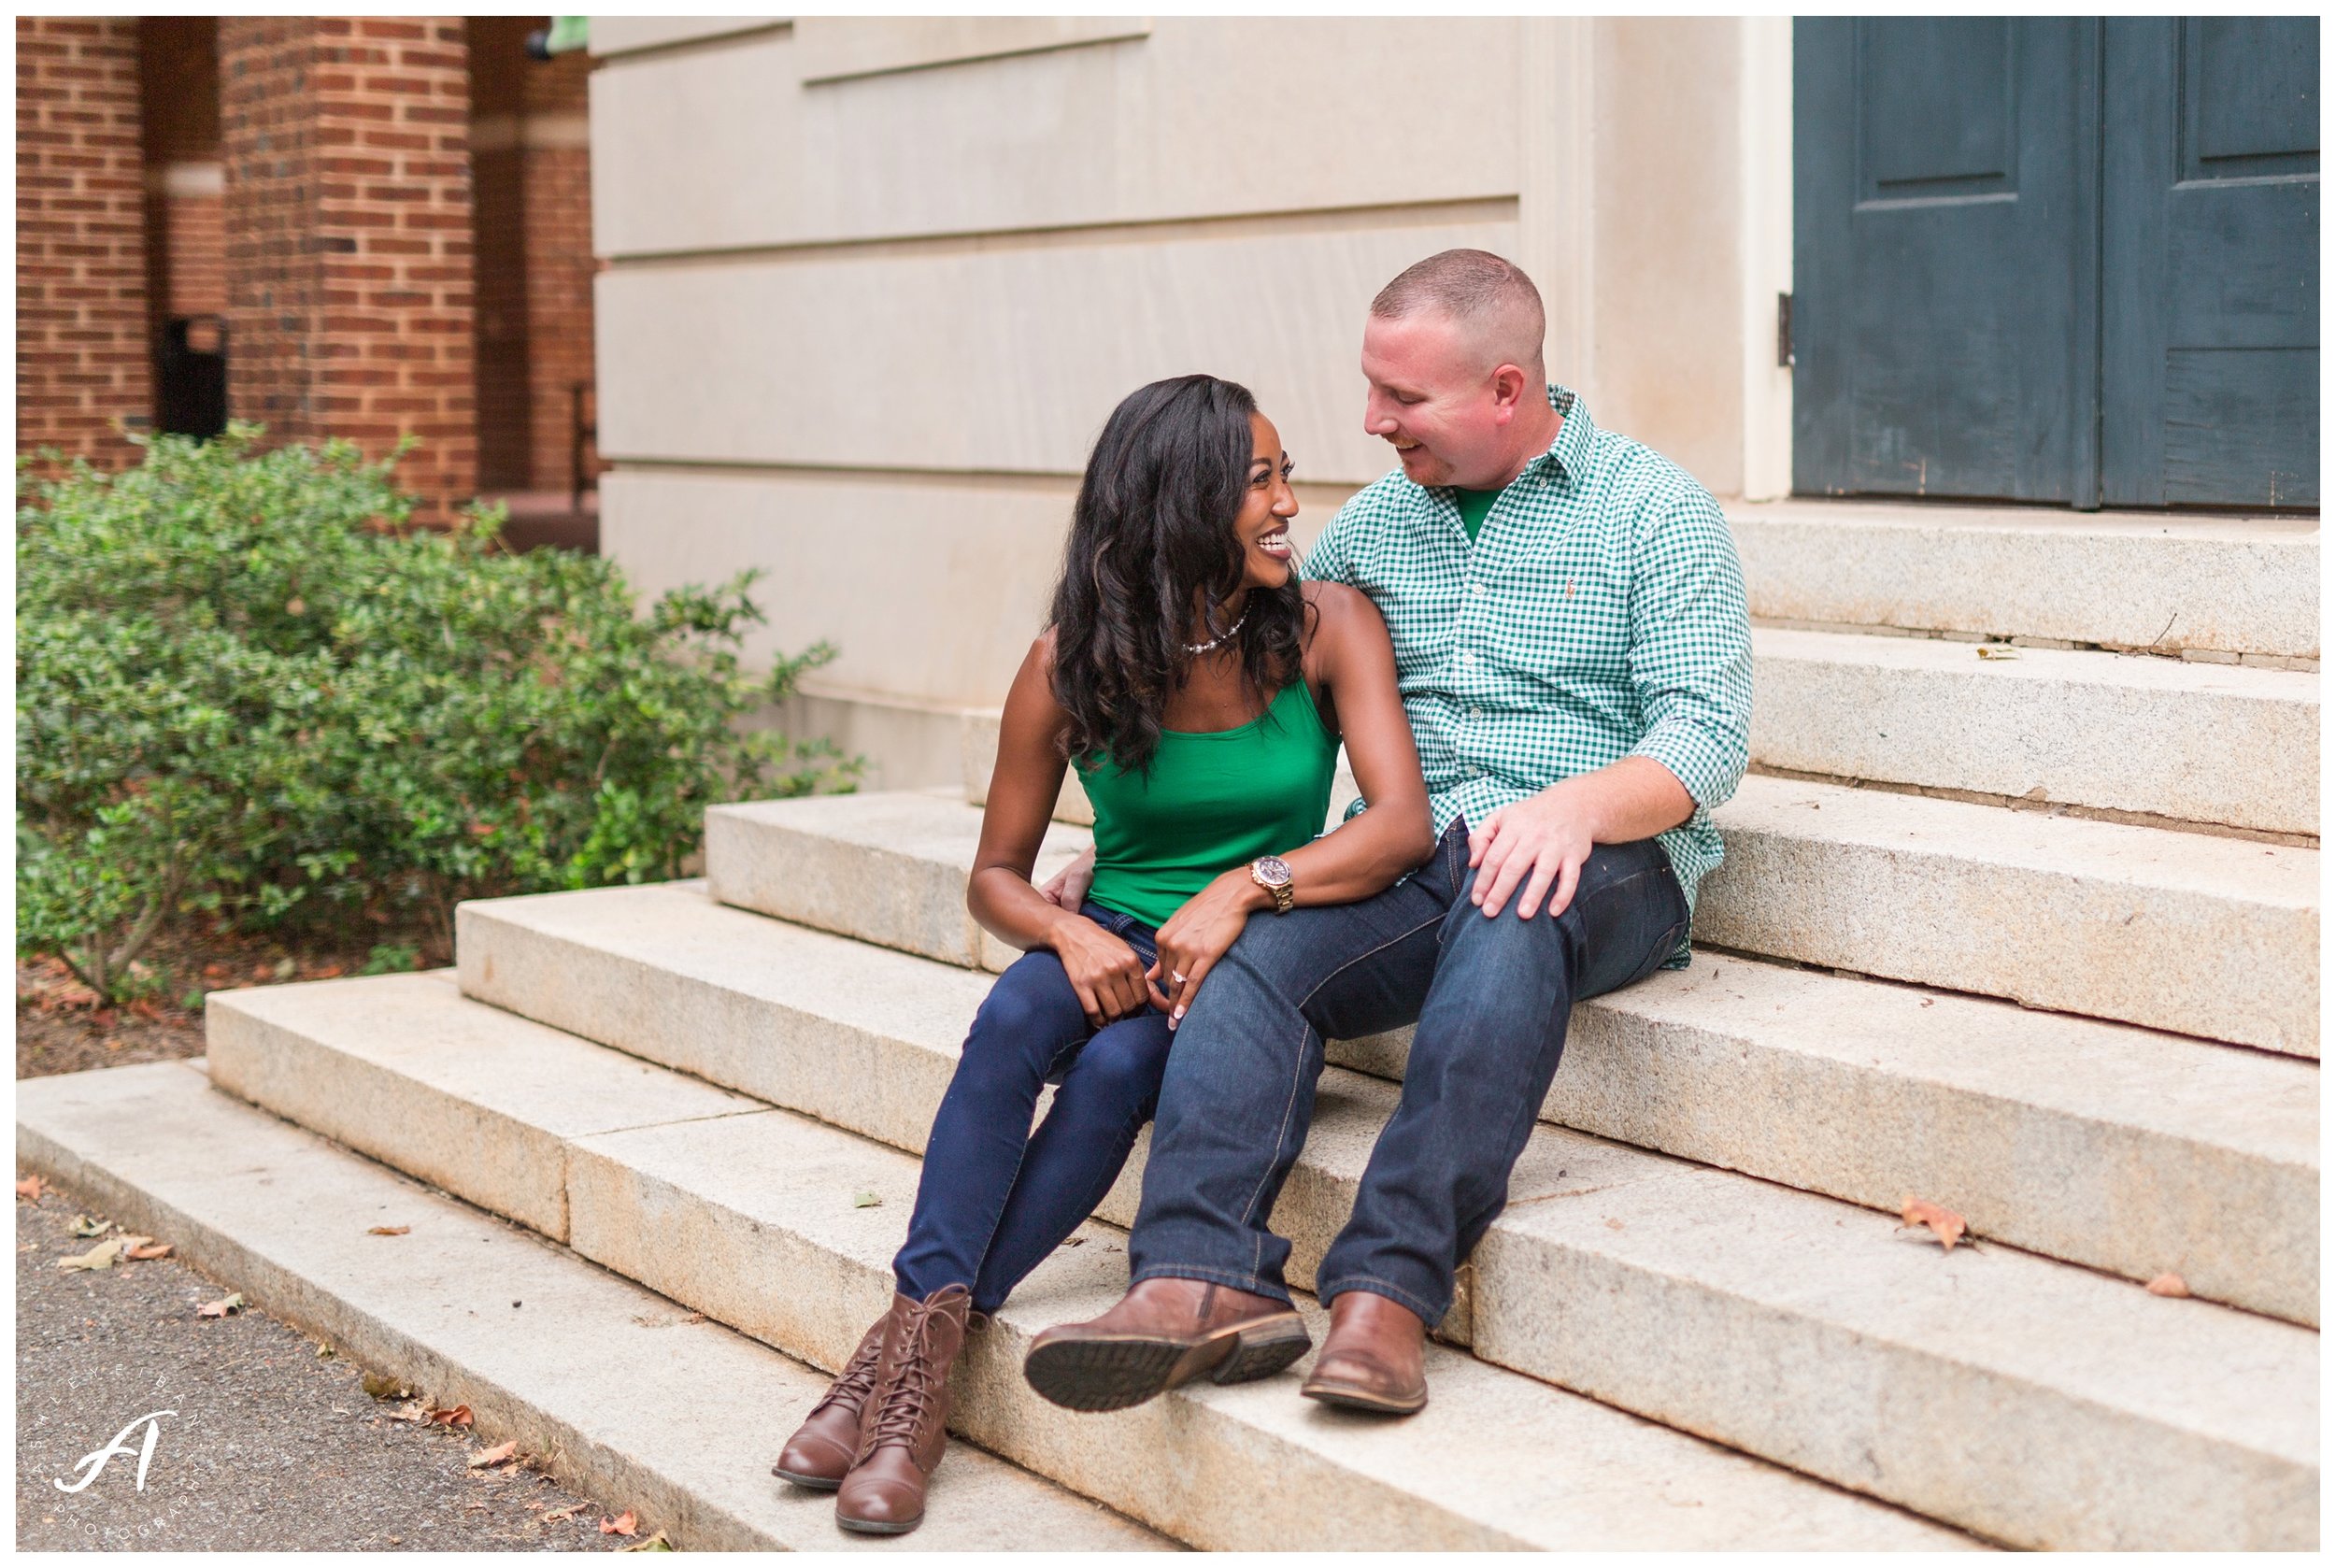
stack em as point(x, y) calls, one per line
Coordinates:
point(1343, 609)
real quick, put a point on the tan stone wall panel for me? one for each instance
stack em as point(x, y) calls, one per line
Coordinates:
point(994, 360)
point(1669, 315)
point(722, 148)
point(619, 34)
point(930, 591)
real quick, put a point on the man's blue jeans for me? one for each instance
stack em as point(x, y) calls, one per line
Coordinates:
point(994, 1197)
point(1491, 997)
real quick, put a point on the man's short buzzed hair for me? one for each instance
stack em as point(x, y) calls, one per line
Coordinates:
point(1484, 293)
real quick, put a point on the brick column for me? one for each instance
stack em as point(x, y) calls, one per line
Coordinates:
point(348, 220)
point(558, 182)
point(82, 357)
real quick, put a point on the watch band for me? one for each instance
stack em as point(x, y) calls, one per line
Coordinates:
point(1285, 891)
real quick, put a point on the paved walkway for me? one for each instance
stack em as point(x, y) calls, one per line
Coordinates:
point(274, 1446)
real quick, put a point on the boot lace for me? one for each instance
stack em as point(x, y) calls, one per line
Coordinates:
point(852, 1385)
point(915, 1392)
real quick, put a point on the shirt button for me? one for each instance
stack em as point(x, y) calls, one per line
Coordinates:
point(1475, 713)
point(1476, 588)
point(1468, 656)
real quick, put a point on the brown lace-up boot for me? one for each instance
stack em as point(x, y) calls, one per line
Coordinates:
point(820, 1451)
point(904, 1425)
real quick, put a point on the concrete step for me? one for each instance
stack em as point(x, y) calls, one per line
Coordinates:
point(2031, 1372)
point(2120, 1148)
point(2197, 743)
point(626, 1399)
point(762, 1221)
point(888, 868)
point(2197, 932)
point(2234, 587)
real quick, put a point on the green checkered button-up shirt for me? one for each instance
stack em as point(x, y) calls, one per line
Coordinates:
point(1600, 614)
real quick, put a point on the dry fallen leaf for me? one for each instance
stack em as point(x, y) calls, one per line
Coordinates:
point(147, 1250)
point(2168, 1285)
point(84, 1226)
point(222, 1307)
point(380, 1385)
point(867, 1200)
point(97, 1258)
point(1944, 1223)
point(410, 1411)
point(389, 1231)
point(488, 1459)
point(656, 1543)
point(567, 1513)
point(1998, 650)
point(458, 1416)
point(32, 1186)
point(622, 1525)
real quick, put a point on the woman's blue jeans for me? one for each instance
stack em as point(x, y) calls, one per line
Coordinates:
point(995, 1198)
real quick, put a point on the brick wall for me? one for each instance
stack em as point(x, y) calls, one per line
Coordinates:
point(82, 357)
point(348, 216)
point(560, 266)
point(185, 217)
point(499, 63)
point(534, 264)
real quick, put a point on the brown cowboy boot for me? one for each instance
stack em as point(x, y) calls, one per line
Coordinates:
point(1163, 1334)
point(904, 1426)
point(1372, 1359)
point(821, 1449)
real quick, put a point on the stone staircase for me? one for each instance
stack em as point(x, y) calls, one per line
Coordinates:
point(2031, 935)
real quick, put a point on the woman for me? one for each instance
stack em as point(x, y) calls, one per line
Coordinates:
point(1202, 691)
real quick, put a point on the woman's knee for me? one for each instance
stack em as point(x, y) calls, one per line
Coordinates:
point(1031, 1015)
point(1122, 1066)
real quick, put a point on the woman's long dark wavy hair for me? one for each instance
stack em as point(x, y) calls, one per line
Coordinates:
point(1152, 531)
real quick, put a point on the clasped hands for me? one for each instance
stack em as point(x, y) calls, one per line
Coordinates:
point(1112, 982)
point(1533, 848)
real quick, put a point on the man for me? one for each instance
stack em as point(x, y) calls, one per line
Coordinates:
point(1573, 646)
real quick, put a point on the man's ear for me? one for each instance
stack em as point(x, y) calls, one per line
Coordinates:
point(1508, 393)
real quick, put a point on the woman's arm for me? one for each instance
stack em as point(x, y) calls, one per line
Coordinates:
point(1104, 969)
point(1365, 854)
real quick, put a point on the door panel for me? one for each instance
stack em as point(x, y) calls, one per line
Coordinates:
point(2210, 372)
point(1942, 295)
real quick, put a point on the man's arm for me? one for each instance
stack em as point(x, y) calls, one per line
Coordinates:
point(1691, 663)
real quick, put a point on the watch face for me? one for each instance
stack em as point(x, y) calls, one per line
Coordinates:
point(1273, 871)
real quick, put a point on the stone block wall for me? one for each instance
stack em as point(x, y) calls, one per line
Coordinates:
point(81, 363)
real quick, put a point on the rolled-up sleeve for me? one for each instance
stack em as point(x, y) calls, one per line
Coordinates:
point(1327, 560)
point(1692, 647)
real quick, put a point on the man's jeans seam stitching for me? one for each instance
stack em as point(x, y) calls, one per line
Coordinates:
point(1249, 1216)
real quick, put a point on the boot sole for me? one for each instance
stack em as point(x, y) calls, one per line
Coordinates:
point(872, 1526)
point(1356, 1399)
point(809, 1483)
point(1095, 1375)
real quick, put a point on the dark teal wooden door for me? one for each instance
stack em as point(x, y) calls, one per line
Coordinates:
point(1943, 333)
point(2058, 259)
point(2211, 262)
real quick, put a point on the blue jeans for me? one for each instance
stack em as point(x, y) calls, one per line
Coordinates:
point(1492, 999)
point(994, 1197)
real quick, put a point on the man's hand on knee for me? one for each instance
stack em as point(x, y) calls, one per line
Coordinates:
point(1540, 842)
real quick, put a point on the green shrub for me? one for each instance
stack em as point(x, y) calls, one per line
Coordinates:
point(243, 688)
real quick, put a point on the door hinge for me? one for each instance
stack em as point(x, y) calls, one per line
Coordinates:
point(1784, 331)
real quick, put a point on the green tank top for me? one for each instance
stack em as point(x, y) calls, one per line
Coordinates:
point(1214, 800)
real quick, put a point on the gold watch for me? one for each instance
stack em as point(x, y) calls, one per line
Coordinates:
point(1272, 872)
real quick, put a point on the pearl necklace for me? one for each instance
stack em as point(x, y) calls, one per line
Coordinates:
point(1230, 633)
